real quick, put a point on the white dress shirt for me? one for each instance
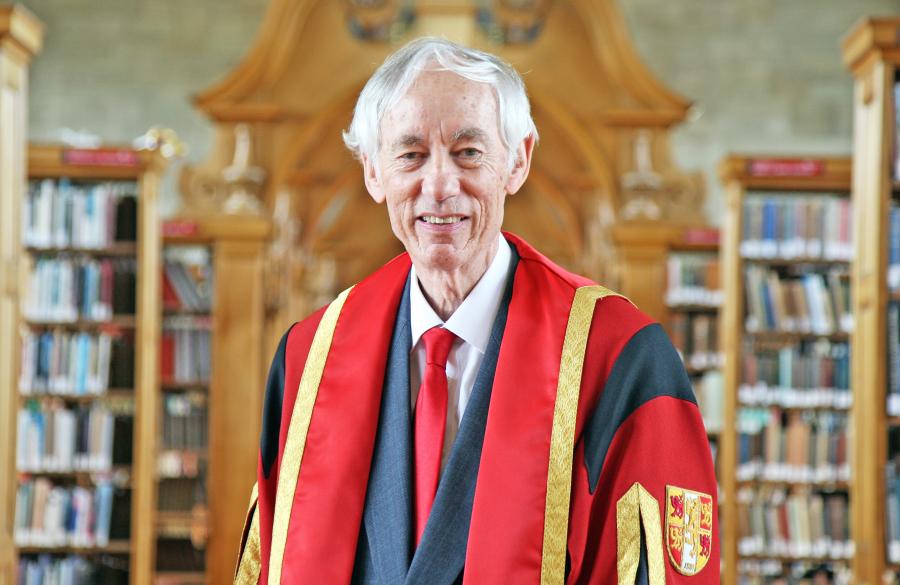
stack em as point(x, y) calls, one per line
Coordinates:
point(471, 323)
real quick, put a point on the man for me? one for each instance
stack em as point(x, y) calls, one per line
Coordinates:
point(471, 412)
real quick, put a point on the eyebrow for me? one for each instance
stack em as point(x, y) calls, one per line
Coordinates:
point(469, 134)
point(406, 141)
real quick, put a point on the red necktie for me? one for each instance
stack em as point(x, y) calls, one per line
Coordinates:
point(431, 421)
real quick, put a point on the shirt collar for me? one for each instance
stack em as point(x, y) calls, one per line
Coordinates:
point(474, 318)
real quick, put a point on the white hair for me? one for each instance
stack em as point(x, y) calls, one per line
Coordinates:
point(391, 81)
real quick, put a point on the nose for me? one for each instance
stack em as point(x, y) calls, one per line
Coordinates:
point(440, 179)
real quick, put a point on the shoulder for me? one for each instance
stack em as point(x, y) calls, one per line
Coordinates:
point(614, 315)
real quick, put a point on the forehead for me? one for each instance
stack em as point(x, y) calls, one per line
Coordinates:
point(442, 101)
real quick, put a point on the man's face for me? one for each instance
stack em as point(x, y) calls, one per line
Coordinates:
point(444, 172)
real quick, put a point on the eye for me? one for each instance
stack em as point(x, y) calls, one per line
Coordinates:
point(469, 152)
point(410, 156)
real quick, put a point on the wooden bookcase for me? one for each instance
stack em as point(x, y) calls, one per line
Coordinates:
point(91, 166)
point(693, 246)
point(21, 37)
point(775, 177)
point(872, 53)
point(236, 245)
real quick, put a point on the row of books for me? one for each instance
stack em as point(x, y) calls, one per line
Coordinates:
point(792, 446)
point(179, 555)
point(893, 357)
point(72, 570)
point(806, 303)
point(807, 374)
point(893, 275)
point(773, 571)
point(181, 494)
point(55, 438)
point(187, 279)
point(49, 515)
point(62, 214)
point(693, 280)
point(790, 226)
point(185, 352)
point(798, 524)
point(695, 336)
point(67, 363)
point(184, 422)
point(66, 288)
point(709, 390)
point(892, 495)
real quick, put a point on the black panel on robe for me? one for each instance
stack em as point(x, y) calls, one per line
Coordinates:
point(271, 420)
point(647, 367)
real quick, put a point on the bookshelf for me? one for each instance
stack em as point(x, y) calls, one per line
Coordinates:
point(81, 384)
point(693, 299)
point(872, 53)
point(784, 331)
point(21, 37)
point(213, 302)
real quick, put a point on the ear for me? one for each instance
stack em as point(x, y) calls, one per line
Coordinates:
point(373, 184)
point(521, 166)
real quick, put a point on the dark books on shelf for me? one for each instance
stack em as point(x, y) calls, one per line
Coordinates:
point(695, 336)
point(806, 374)
point(53, 515)
point(187, 279)
point(185, 349)
point(45, 569)
point(802, 447)
point(693, 280)
point(794, 524)
point(792, 226)
point(53, 437)
point(68, 287)
point(812, 302)
point(65, 214)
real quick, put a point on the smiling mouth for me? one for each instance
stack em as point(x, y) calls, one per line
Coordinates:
point(438, 220)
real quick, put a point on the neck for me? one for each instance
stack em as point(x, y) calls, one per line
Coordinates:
point(445, 290)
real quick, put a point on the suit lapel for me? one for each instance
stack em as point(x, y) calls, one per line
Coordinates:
point(388, 510)
point(441, 555)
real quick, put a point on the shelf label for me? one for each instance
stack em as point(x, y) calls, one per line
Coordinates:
point(103, 157)
point(176, 228)
point(786, 167)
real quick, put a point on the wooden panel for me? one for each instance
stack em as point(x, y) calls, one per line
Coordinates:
point(871, 188)
point(236, 397)
point(730, 327)
point(21, 36)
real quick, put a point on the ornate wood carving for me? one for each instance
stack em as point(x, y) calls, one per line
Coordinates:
point(593, 100)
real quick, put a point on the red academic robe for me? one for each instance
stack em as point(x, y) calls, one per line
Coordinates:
point(642, 489)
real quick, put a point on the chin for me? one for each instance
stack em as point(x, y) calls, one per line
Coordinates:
point(443, 260)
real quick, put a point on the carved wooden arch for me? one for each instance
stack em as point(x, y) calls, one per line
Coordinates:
point(590, 92)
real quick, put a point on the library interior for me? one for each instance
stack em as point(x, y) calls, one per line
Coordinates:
point(176, 193)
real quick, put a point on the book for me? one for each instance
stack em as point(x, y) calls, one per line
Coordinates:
point(795, 447)
point(792, 226)
point(815, 303)
point(805, 374)
point(68, 214)
point(49, 514)
point(693, 280)
point(65, 288)
point(798, 524)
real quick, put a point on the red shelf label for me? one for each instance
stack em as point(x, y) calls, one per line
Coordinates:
point(108, 157)
point(786, 167)
point(179, 228)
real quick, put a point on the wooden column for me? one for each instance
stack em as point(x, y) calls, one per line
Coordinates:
point(872, 53)
point(237, 385)
point(21, 35)
point(643, 248)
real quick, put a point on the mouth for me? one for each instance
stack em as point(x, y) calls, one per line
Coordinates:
point(442, 220)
